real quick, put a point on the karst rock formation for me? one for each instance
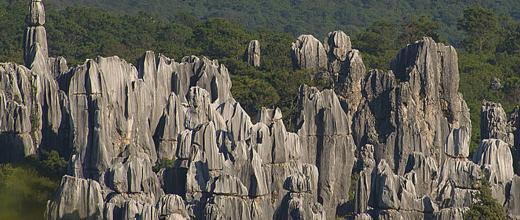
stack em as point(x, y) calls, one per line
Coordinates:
point(381, 144)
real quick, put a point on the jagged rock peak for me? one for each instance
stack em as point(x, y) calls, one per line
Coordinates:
point(36, 15)
point(19, 124)
point(35, 32)
point(309, 53)
point(409, 128)
point(494, 123)
point(338, 45)
point(76, 199)
point(513, 200)
point(253, 53)
point(497, 155)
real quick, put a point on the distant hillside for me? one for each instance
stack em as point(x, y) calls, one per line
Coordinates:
point(308, 16)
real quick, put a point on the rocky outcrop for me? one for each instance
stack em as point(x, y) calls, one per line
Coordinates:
point(167, 140)
point(19, 119)
point(30, 97)
point(327, 142)
point(253, 53)
point(76, 199)
point(513, 199)
point(35, 33)
point(495, 124)
point(364, 184)
point(309, 53)
point(496, 154)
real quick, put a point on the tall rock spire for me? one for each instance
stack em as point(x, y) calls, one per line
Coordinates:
point(35, 33)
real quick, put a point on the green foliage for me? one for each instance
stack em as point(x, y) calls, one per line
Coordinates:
point(510, 34)
point(481, 29)
point(416, 28)
point(10, 17)
point(219, 38)
point(23, 192)
point(378, 43)
point(163, 163)
point(50, 164)
point(487, 207)
point(53, 165)
point(304, 16)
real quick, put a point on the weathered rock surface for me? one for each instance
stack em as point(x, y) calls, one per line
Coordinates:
point(403, 135)
point(35, 33)
point(253, 53)
point(327, 141)
point(513, 199)
point(309, 53)
point(495, 124)
point(496, 154)
point(76, 199)
point(515, 122)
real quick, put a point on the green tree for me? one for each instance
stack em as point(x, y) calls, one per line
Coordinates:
point(23, 192)
point(219, 38)
point(510, 42)
point(417, 27)
point(481, 28)
point(378, 43)
point(487, 207)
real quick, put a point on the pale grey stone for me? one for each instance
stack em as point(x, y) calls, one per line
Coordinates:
point(309, 53)
point(513, 198)
point(253, 53)
point(76, 199)
point(497, 155)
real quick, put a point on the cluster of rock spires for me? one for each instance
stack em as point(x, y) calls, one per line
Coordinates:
point(382, 144)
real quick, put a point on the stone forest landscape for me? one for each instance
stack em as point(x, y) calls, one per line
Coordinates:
point(228, 120)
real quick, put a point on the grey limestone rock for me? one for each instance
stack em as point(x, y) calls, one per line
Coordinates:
point(497, 155)
point(133, 175)
point(423, 172)
point(76, 199)
point(364, 184)
point(494, 123)
point(18, 112)
point(58, 66)
point(35, 33)
point(404, 132)
point(36, 14)
point(457, 143)
point(461, 172)
point(513, 198)
point(253, 53)
point(386, 187)
point(327, 142)
point(349, 85)
point(515, 123)
point(258, 186)
point(169, 128)
point(172, 207)
point(298, 183)
point(450, 213)
point(338, 45)
point(227, 185)
point(439, 110)
point(299, 208)
point(309, 53)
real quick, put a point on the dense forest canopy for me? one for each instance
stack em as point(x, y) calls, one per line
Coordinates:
point(485, 33)
point(308, 16)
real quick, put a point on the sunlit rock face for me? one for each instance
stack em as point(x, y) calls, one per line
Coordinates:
point(380, 144)
point(253, 53)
